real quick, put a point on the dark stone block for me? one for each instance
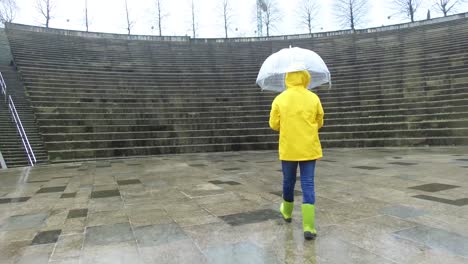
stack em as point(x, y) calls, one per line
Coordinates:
point(458, 202)
point(197, 165)
point(72, 167)
point(77, 213)
point(52, 189)
point(37, 181)
point(105, 194)
point(46, 237)
point(5, 200)
point(231, 183)
point(280, 193)
point(367, 168)
point(251, 217)
point(64, 177)
point(225, 182)
point(20, 199)
point(68, 195)
point(231, 169)
point(434, 187)
point(402, 163)
point(128, 182)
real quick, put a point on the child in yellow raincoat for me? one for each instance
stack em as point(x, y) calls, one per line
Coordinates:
point(297, 114)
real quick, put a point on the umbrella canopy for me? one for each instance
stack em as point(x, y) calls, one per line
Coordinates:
point(274, 69)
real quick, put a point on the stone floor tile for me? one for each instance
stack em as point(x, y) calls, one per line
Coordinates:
point(68, 246)
point(434, 187)
point(128, 182)
point(106, 204)
point(37, 254)
point(46, 237)
point(367, 168)
point(27, 221)
point(251, 217)
point(68, 195)
point(74, 226)
point(149, 217)
point(181, 251)
point(437, 238)
point(362, 216)
point(77, 213)
point(52, 189)
point(66, 261)
point(244, 252)
point(403, 211)
point(107, 218)
point(456, 202)
point(108, 234)
point(155, 235)
point(119, 253)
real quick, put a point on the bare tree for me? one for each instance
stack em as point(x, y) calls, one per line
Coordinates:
point(308, 10)
point(45, 7)
point(160, 15)
point(7, 11)
point(86, 15)
point(407, 7)
point(445, 6)
point(130, 23)
point(193, 21)
point(351, 13)
point(271, 15)
point(226, 12)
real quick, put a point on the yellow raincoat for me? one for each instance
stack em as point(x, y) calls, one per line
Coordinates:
point(298, 115)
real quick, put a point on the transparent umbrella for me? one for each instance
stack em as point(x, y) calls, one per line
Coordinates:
point(274, 69)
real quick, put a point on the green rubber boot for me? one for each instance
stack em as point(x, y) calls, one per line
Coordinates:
point(286, 210)
point(308, 221)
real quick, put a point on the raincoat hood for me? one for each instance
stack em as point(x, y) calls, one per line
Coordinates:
point(299, 79)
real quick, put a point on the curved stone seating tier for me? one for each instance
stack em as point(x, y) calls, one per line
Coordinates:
point(105, 97)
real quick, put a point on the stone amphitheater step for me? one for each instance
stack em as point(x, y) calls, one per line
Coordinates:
point(370, 105)
point(142, 135)
point(328, 115)
point(214, 86)
point(10, 142)
point(56, 156)
point(341, 43)
point(139, 67)
point(335, 59)
point(391, 88)
point(42, 98)
point(239, 99)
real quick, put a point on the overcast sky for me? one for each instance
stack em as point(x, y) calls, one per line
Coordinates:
point(109, 16)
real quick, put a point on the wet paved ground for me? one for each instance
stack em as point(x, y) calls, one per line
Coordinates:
point(373, 206)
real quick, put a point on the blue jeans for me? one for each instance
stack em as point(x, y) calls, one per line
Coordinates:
point(307, 180)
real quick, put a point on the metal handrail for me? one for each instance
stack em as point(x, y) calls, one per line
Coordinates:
point(2, 162)
point(19, 126)
point(3, 85)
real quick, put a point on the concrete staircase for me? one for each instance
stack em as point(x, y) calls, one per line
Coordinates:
point(108, 97)
point(11, 144)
